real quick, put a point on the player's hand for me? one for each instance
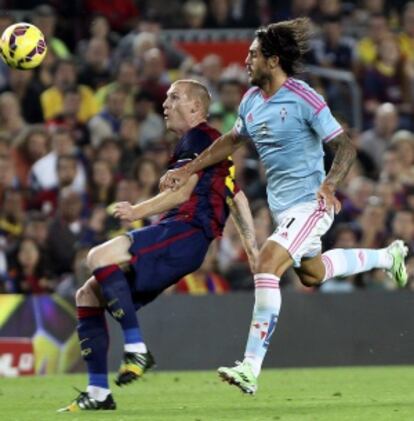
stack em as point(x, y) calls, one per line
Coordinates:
point(124, 211)
point(326, 193)
point(174, 179)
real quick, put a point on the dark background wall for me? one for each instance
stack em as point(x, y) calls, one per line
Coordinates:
point(205, 332)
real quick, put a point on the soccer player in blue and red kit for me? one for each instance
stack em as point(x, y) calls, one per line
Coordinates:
point(288, 122)
point(131, 270)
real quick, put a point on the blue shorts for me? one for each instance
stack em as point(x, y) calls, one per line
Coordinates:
point(161, 255)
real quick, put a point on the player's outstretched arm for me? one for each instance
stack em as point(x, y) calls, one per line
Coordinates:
point(219, 150)
point(243, 219)
point(164, 201)
point(345, 154)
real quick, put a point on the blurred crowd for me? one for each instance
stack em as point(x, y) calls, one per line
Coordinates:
point(85, 130)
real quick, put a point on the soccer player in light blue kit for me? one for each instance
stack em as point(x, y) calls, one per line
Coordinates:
point(288, 123)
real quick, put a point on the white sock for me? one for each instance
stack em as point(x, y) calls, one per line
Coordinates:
point(98, 393)
point(137, 347)
point(347, 262)
point(265, 314)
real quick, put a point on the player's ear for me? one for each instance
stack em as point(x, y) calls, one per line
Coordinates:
point(195, 107)
point(273, 62)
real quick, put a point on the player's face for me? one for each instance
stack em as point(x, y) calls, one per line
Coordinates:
point(178, 108)
point(256, 65)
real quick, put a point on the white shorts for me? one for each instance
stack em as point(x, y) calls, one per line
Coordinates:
point(300, 228)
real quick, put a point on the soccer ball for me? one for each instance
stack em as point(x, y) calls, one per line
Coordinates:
point(23, 46)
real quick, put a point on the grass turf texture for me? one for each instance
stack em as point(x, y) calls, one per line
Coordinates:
point(337, 394)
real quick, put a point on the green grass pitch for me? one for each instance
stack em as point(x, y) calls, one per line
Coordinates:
point(330, 394)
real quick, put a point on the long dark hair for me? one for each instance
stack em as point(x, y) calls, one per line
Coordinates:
point(288, 40)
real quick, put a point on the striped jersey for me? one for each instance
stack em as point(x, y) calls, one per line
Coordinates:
point(288, 129)
point(208, 206)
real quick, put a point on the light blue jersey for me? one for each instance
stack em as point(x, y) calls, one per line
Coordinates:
point(288, 129)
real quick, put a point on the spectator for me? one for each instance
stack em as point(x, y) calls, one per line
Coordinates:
point(12, 217)
point(68, 118)
point(44, 176)
point(64, 77)
point(402, 226)
point(7, 177)
point(99, 28)
point(27, 90)
point(211, 68)
point(107, 123)
point(126, 79)
point(32, 145)
point(147, 173)
point(65, 232)
point(359, 190)
point(5, 148)
point(96, 71)
point(296, 8)
point(145, 35)
point(219, 15)
point(121, 16)
point(194, 14)
point(368, 46)
point(328, 9)
point(102, 191)
point(154, 77)
point(406, 37)
point(36, 228)
point(372, 223)
point(245, 14)
point(29, 275)
point(375, 141)
point(387, 81)
point(391, 169)
point(230, 94)
point(110, 150)
point(44, 17)
point(403, 141)
point(151, 125)
point(11, 118)
point(384, 190)
point(158, 152)
point(332, 49)
point(129, 139)
point(46, 200)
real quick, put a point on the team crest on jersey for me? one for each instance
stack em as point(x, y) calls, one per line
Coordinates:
point(250, 117)
point(283, 114)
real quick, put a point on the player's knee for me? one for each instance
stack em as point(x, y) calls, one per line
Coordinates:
point(266, 264)
point(94, 258)
point(84, 296)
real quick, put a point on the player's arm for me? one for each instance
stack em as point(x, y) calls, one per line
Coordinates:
point(164, 201)
point(243, 219)
point(345, 154)
point(219, 150)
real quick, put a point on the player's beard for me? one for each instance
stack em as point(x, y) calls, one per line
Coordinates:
point(259, 78)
